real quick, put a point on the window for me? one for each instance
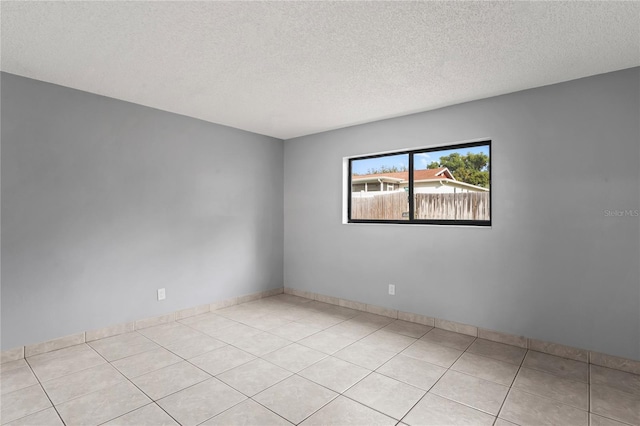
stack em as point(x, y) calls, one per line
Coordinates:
point(447, 185)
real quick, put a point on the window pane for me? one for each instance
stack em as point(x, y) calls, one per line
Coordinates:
point(379, 188)
point(452, 184)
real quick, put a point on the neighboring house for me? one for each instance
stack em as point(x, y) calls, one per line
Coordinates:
point(429, 181)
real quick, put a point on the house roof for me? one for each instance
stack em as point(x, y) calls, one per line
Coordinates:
point(439, 173)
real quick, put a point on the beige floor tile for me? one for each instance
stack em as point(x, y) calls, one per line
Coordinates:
point(267, 322)
point(103, 405)
point(559, 350)
point(149, 415)
point(283, 311)
point(262, 344)
point(595, 420)
point(16, 378)
point(406, 328)
point(626, 382)
point(449, 339)
point(220, 360)
point(290, 298)
point(387, 341)
point(364, 355)
point(346, 412)
point(295, 398)
point(208, 323)
point(47, 417)
point(548, 385)
point(435, 410)
point(327, 342)
point(143, 363)
point(335, 374)
point(343, 312)
point(13, 354)
point(59, 353)
point(506, 338)
point(615, 404)
point(23, 402)
point(241, 313)
point(164, 334)
point(468, 390)
point(247, 413)
point(122, 345)
point(200, 402)
point(337, 311)
point(235, 333)
point(336, 349)
point(59, 363)
point(190, 346)
point(92, 379)
point(254, 376)
point(526, 409)
point(294, 313)
point(294, 357)
point(320, 320)
point(373, 320)
point(433, 353)
point(294, 331)
point(12, 365)
point(171, 379)
point(413, 371)
point(384, 394)
point(486, 368)
point(561, 367)
point(351, 329)
point(503, 422)
point(500, 351)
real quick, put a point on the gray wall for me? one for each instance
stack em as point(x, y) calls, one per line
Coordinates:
point(553, 266)
point(104, 202)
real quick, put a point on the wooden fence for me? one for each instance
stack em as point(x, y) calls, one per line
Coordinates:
point(460, 206)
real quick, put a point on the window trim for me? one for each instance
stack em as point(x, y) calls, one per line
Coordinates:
point(412, 221)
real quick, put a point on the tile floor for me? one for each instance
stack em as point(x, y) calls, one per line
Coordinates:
point(287, 360)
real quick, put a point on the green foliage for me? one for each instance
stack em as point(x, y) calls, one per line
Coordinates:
point(470, 168)
point(386, 169)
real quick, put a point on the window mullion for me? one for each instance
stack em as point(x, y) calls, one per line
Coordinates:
point(411, 214)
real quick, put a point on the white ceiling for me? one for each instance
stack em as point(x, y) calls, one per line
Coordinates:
point(288, 69)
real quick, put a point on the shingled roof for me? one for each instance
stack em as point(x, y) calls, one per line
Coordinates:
point(439, 173)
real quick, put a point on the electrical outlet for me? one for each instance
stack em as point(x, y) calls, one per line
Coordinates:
point(392, 289)
point(161, 294)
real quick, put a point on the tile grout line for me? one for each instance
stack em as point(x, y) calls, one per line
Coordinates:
point(376, 327)
point(426, 392)
point(313, 297)
point(45, 392)
point(297, 373)
point(256, 357)
point(136, 386)
point(511, 385)
point(439, 378)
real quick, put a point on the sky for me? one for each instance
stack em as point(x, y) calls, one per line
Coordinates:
point(402, 160)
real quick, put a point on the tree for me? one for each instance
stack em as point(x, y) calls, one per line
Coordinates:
point(386, 169)
point(470, 168)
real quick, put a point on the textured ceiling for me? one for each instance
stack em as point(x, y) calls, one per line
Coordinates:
point(288, 69)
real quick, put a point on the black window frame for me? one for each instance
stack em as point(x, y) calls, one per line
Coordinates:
point(411, 220)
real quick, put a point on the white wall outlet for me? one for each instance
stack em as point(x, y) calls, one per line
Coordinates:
point(161, 294)
point(392, 289)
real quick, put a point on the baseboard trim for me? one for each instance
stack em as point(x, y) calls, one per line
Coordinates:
point(576, 354)
point(26, 351)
